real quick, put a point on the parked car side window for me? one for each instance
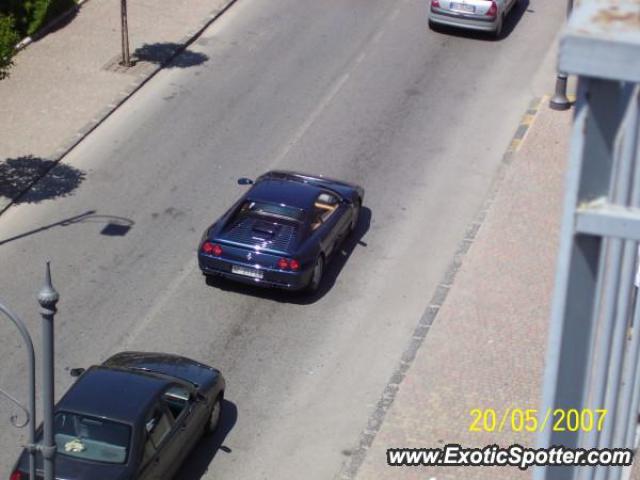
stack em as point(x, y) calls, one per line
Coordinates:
point(177, 398)
point(324, 206)
point(158, 427)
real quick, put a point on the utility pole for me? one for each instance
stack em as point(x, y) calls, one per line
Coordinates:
point(126, 59)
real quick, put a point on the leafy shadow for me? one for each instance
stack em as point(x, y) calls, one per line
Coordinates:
point(30, 179)
point(58, 15)
point(163, 54)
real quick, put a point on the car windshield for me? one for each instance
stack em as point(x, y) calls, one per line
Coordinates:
point(90, 438)
point(271, 210)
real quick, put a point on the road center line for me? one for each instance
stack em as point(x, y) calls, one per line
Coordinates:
point(167, 294)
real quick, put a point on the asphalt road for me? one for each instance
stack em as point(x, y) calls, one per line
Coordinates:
point(350, 89)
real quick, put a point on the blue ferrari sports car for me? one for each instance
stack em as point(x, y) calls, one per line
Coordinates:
point(282, 231)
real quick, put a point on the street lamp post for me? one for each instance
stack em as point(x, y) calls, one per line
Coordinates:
point(559, 101)
point(48, 298)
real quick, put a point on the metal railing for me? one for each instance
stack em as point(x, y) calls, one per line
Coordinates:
point(594, 339)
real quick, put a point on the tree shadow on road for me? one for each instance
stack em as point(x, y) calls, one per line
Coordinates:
point(337, 262)
point(197, 463)
point(30, 179)
point(163, 53)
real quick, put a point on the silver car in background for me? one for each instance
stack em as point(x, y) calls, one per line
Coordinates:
point(483, 15)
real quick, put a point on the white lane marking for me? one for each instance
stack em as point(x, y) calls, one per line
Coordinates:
point(167, 295)
point(331, 95)
point(376, 37)
point(312, 118)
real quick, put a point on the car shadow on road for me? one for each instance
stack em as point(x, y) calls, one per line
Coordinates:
point(163, 54)
point(30, 179)
point(197, 463)
point(335, 265)
point(510, 22)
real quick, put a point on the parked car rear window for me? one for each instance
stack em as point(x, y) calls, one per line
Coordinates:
point(271, 210)
point(90, 438)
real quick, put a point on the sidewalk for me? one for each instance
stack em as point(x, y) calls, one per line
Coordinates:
point(61, 88)
point(485, 333)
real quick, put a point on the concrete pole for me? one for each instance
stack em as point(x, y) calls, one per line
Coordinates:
point(48, 298)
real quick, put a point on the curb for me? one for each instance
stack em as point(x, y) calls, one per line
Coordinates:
point(351, 467)
point(101, 117)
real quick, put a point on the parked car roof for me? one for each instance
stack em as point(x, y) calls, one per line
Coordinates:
point(112, 393)
point(176, 366)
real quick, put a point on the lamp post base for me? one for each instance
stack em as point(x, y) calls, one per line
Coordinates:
point(559, 101)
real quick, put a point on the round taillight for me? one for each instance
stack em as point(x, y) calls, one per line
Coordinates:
point(211, 249)
point(16, 476)
point(294, 264)
point(283, 264)
point(435, 3)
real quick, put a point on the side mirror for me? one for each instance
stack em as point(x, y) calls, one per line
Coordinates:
point(76, 372)
point(245, 181)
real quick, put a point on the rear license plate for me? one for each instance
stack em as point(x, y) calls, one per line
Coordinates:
point(462, 7)
point(247, 272)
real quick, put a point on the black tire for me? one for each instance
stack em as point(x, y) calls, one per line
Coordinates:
point(214, 417)
point(316, 276)
point(356, 216)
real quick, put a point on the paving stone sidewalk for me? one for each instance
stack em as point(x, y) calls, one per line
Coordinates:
point(487, 343)
point(63, 85)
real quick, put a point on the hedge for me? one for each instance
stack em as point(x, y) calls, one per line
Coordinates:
point(22, 18)
point(8, 38)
